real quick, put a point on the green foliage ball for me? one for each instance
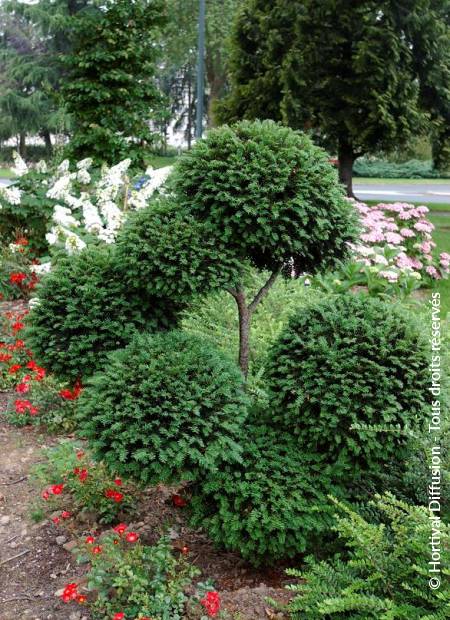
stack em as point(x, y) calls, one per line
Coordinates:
point(273, 505)
point(164, 408)
point(85, 310)
point(346, 361)
point(171, 254)
point(269, 193)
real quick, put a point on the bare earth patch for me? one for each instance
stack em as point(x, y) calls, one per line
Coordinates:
point(34, 567)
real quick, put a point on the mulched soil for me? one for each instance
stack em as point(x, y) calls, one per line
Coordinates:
point(35, 566)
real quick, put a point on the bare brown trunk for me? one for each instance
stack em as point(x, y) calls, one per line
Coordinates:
point(22, 145)
point(245, 313)
point(346, 161)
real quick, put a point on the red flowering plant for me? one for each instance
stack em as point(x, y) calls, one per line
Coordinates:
point(70, 481)
point(133, 581)
point(18, 270)
point(14, 355)
point(37, 398)
point(207, 601)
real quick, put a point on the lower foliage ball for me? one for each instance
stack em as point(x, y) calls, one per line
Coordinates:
point(272, 506)
point(165, 408)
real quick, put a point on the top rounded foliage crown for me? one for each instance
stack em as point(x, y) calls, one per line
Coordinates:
point(348, 361)
point(270, 193)
point(86, 309)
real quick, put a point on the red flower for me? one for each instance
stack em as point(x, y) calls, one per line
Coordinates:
point(113, 494)
point(178, 501)
point(22, 406)
point(185, 550)
point(14, 368)
point(119, 616)
point(17, 326)
point(97, 549)
point(22, 241)
point(22, 388)
point(70, 592)
point(20, 344)
point(65, 514)
point(118, 482)
point(90, 540)
point(211, 603)
point(83, 475)
point(55, 520)
point(17, 278)
point(121, 528)
point(45, 495)
point(131, 537)
point(57, 489)
point(5, 357)
point(71, 394)
point(80, 454)
point(32, 365)
point(76, 471)
point(81, 599)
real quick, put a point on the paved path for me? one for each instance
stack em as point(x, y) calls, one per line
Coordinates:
point(404, 192)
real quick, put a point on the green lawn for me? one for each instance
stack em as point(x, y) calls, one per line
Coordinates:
point(159, 161)
point(6, 173)
point(375, 181)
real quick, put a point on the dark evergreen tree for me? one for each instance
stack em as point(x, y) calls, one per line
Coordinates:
point(110, 88)
point(361, 76)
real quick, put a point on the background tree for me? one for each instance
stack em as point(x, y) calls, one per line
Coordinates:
point(26, 80)
point(110, 87)
point(351, 74)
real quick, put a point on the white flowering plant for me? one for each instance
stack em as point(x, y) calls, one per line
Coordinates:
point(395, 254)
point(73, 205)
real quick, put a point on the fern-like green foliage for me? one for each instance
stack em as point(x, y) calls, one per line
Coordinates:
point(384, 575)
point(86, 309)
point(349, 377)
point(271, 506)
point(269, 193)
point(165, 408)
point(173, 255)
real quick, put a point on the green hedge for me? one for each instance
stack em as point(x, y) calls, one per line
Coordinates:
point(413, 169)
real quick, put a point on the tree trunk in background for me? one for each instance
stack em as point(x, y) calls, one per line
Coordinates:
point(216, 78)
point(346, 160)
point(22, 145)
point(48, 141)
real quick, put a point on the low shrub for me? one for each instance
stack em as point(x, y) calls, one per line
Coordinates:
point(173, 255)
point(74, 485)
point(273, 505)
point(413, 169)
point(85, 309)
point(349, 376)
point(18, 277)
point(164, 408)
point(131, 579)
point(385, 575)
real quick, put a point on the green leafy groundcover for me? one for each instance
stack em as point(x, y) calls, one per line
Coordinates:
point(348, 376)
point(384, 574)
point(165, 408)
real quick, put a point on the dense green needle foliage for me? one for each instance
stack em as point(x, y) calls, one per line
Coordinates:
point(165, 408)
point(110, 89)
point(385, 574)
point(269, 193)
point(172, 254)
point(86, 309)
point(271, 506)
point(361, 76)
point(348, 376)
